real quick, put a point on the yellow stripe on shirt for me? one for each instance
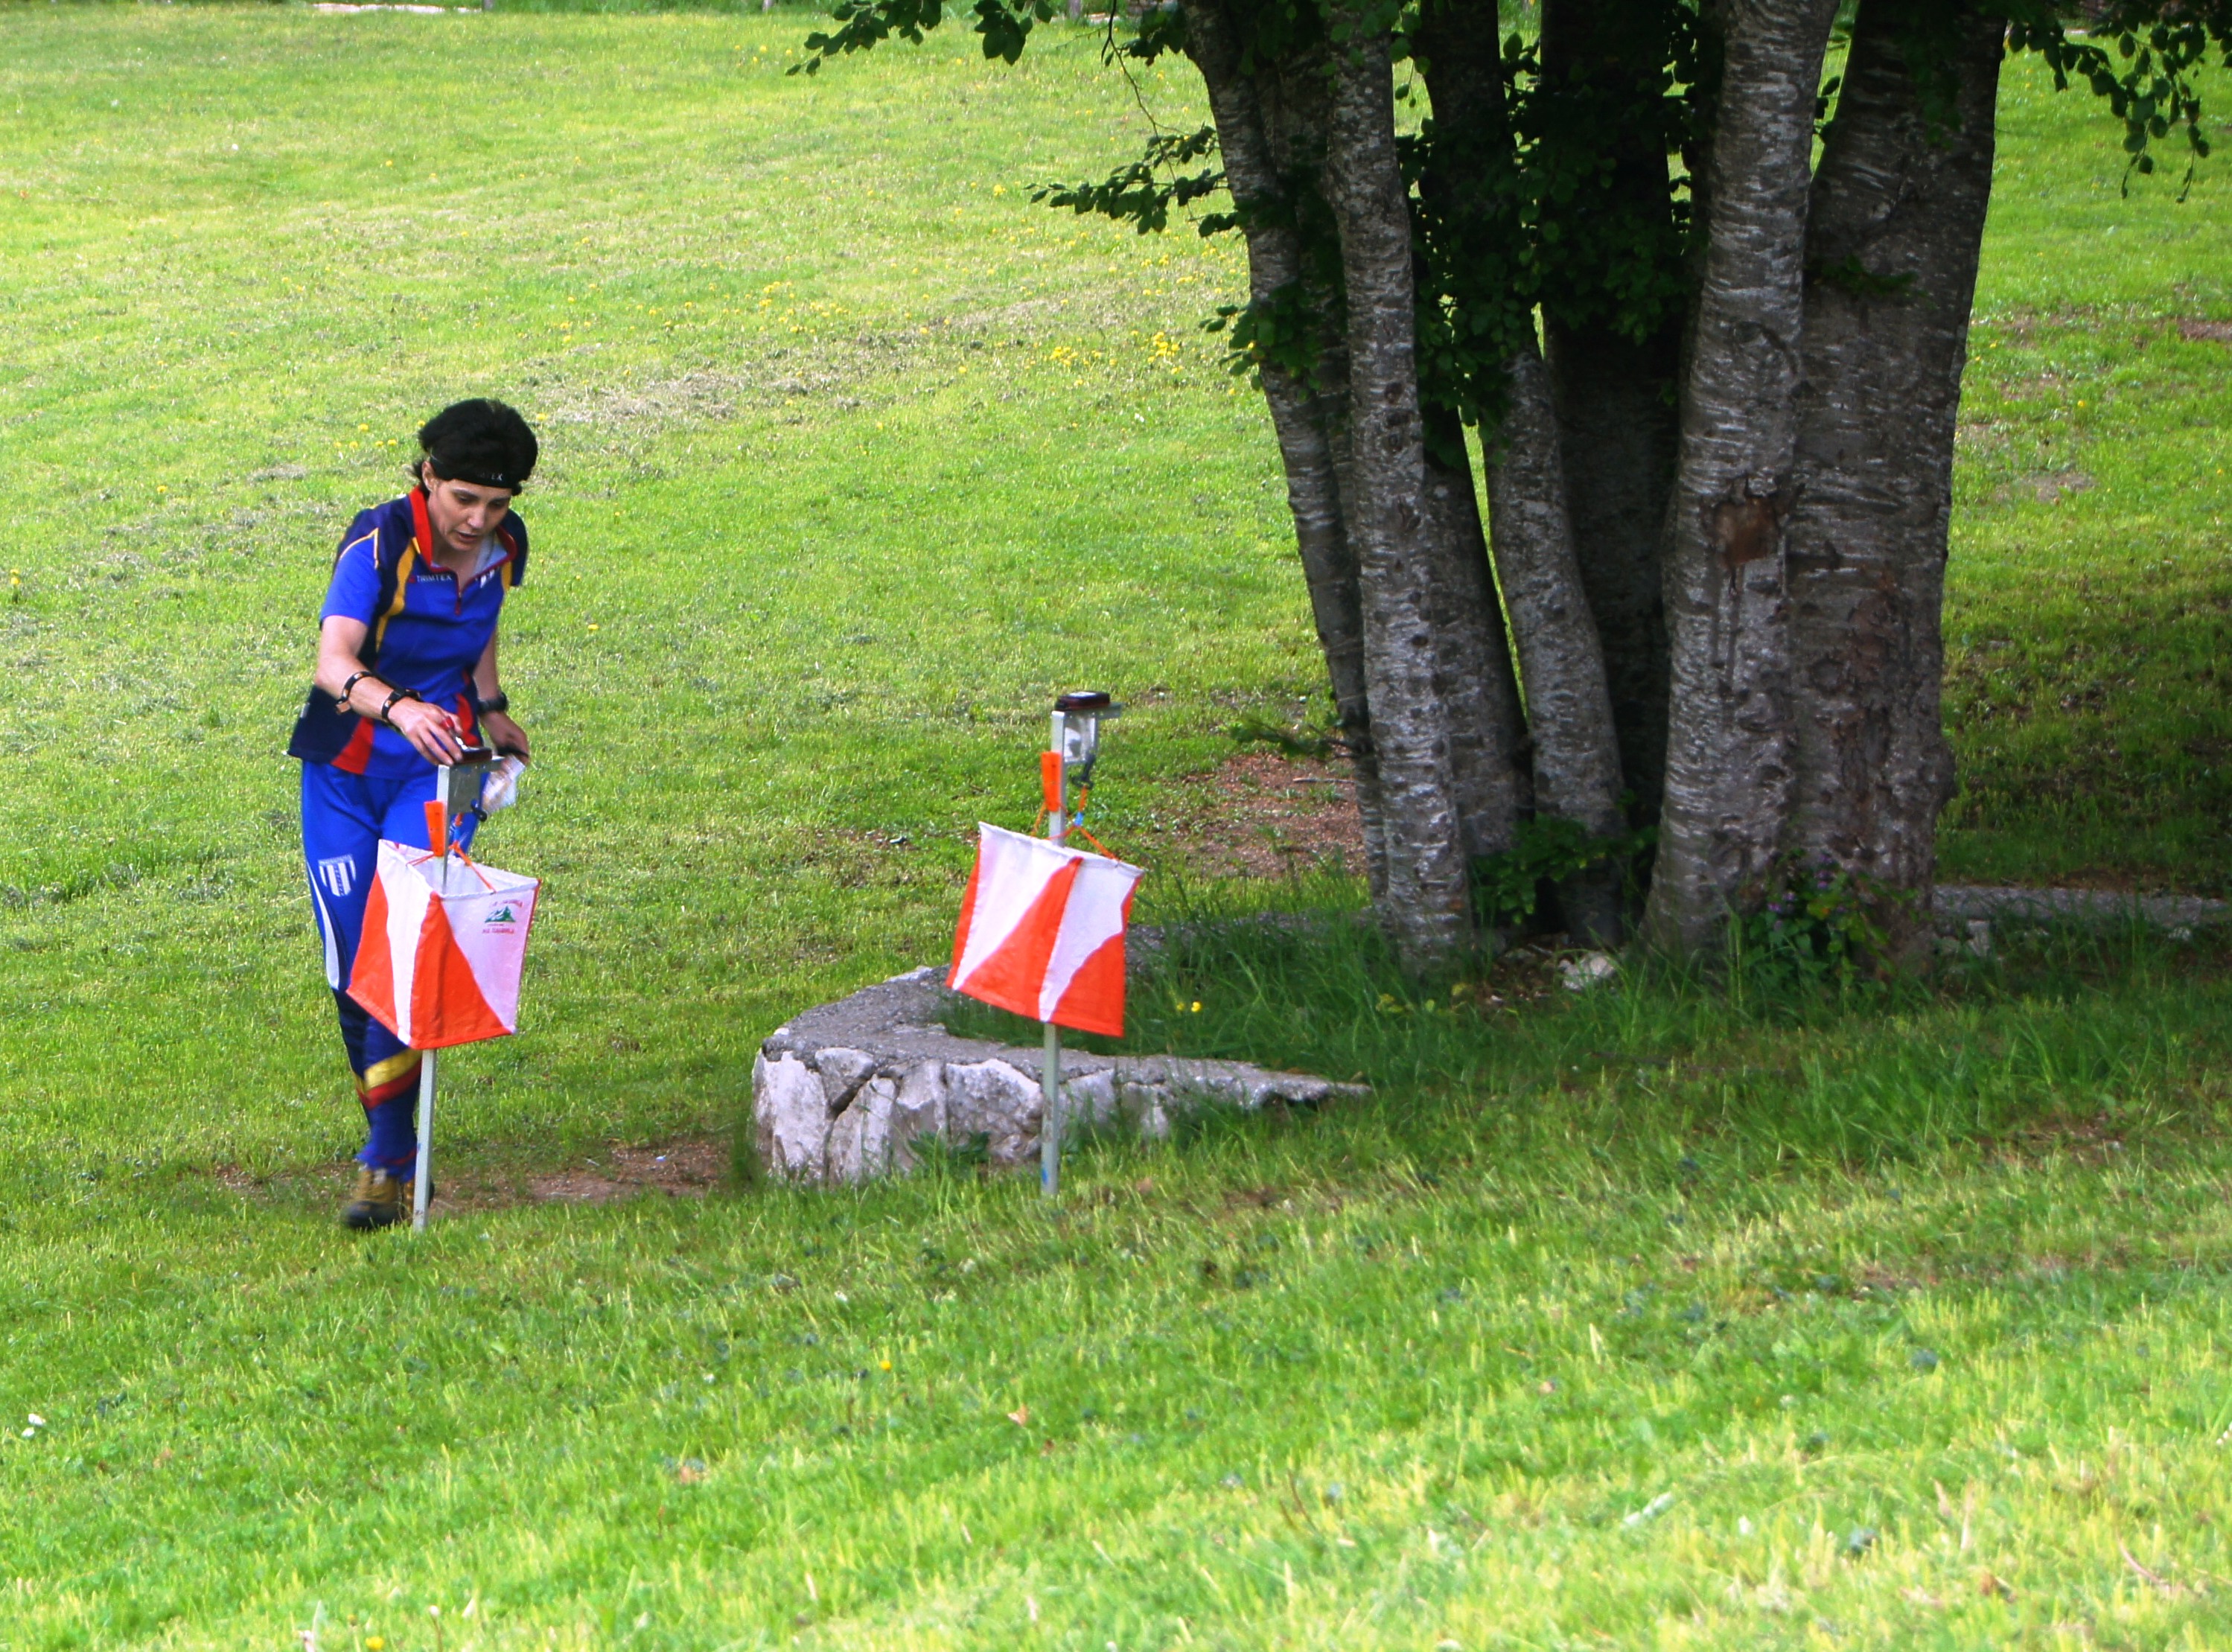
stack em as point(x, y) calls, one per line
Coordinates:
point(402, 590)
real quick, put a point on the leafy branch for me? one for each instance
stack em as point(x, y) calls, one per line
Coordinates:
point(1004, 25)
point(2153, 90)
point(1137, 194)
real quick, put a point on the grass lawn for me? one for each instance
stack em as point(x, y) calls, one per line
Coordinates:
point(1644, 1318)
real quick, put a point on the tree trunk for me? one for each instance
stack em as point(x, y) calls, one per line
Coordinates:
point(1897, 220)
point(1561, 661)
point(1468, 208)
point(1614, 392)
point(1427, 905)
point(1300, 418)
point(1614, 400)
point(1479, 695)
point(1730, 746)
point(1471, 144)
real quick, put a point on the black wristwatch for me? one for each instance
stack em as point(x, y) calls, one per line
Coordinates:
point(499, 702)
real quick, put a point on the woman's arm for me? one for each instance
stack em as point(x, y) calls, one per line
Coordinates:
point(503, 733)
point(432, 731)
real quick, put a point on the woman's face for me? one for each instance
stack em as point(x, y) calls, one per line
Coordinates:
point(463, 513)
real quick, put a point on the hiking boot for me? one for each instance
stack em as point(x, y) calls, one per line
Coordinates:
point(377, 1201)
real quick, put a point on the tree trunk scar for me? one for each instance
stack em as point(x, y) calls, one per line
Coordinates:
point(1744, 530)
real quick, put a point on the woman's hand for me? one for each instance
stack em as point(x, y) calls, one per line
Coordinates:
point(432, 731)
point(502, 733)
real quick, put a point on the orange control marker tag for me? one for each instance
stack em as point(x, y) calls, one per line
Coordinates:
point(1050, 779)
point(437, 828)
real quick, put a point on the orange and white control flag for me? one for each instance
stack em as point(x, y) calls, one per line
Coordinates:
point(438, 970)
point(1041, 931)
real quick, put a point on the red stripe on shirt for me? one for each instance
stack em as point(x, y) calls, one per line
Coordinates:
point(354, 756)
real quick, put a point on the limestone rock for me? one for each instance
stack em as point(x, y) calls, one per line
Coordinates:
point(790, 1117)
point(848, 1090)
point(860, 1136)
point(843, 1072)
point(990, 1098)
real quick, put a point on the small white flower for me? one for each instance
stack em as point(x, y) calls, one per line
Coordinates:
point(841, 1297)
point(36, 1420)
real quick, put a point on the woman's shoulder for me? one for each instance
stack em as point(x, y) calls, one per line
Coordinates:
point(388, 527)
point(513, 532)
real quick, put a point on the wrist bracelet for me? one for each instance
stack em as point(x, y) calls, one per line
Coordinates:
point(499, 703)
point(341, 701)
point(394, 698)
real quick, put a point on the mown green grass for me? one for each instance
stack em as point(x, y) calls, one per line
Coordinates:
point(2091, 578)
point(854, 456)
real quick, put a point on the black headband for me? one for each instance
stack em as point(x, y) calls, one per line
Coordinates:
point(466, 472)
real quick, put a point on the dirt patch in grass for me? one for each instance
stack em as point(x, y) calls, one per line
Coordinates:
point(689, 1168)
point(2214, 332)
point(2047, 489)
point(1263, 815)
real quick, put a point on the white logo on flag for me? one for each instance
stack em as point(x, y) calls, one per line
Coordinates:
point(338, 875)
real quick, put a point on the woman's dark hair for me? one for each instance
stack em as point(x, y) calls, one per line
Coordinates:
point(480, 441)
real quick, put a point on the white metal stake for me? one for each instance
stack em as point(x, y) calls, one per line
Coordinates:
point(1050, 1073)
point(422, 1174)
point(425, 1142)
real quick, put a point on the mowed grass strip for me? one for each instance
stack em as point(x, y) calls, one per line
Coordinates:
point(853, 455)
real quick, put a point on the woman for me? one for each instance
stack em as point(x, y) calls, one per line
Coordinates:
point(407, 680)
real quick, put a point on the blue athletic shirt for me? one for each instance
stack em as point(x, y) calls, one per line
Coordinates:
point(425, 630)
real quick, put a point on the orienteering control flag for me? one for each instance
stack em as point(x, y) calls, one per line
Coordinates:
point(1042, 931)
point(438, 970)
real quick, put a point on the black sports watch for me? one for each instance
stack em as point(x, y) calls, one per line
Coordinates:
point(499, 702)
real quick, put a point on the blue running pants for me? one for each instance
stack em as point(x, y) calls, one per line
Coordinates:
point(344, 817)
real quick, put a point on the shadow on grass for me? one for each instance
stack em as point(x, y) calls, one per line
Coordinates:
point(2098, 1034)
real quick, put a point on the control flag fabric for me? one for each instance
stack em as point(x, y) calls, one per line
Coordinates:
point(1041, 931)
point(438, 970)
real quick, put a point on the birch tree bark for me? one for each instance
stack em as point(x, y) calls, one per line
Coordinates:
point(1427, 905)
point(1731, 740)
point(1264, 192)
point(1471, 218)
point(1897, 221)
point(1480, 694)
point(1561, 661)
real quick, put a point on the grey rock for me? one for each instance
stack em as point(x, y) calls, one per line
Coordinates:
point(991, 1098)
point(843, 1072)
point(1088, 1101)
point(846, 1091)
point(1960, 907)
point(918, 1109)
point(860, 1136)
point(790, 1117)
